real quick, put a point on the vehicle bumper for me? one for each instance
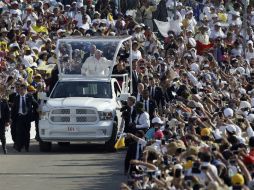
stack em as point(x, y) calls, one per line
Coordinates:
point(101, 132)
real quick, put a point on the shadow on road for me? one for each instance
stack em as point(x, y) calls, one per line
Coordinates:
point(56, 149)
point(109, 177)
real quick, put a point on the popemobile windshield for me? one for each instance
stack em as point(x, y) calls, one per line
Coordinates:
point(92, 57)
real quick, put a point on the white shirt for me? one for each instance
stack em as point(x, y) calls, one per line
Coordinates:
point(138, 97)
point(79, 18)
point(216, 34)
point(33, 17)
point(27, 60)
point(142, 121)
point(249, 55)
point(136, 55)
point(95, 67)
point(38, 43)
point(141, 143)
point(20, 103)
point(85, 26)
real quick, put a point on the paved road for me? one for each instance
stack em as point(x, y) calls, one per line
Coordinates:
point(77, 167)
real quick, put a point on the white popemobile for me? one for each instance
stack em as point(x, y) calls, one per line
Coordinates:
point(83, 104)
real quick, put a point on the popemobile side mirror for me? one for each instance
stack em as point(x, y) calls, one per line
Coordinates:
point(43, 96)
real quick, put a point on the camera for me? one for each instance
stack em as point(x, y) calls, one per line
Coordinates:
point(240, 120)
point(151, 174)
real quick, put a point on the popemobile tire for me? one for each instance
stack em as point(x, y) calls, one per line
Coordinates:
point(45, 146)
point(110, 144)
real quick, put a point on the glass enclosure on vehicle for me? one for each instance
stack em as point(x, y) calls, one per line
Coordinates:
point(82, 89)
point(90, 57)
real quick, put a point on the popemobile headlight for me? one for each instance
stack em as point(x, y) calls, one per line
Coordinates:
point(105, 115)
point(45, 113)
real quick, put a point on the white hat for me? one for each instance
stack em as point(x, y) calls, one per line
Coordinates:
point(160, 59)
point(228, 112)
point(242, 91)
point(172, 123)
point(4, 30)
point(137, 26)
point(231, 128)
point(250, 42)
point(192, 42)
point(178, 166)
point(14, 2)
point(60, 30)
point(189, 12)
point(244, 104)
point(195, 67)
point(157, 120)
point(35, 48)
point(241, 70)
point(14, 45)
point(214, 16)
point(112, 33)
point(34, 65)
point(104, 21)
point(235, 13)
point(250, 117)
point(217, 24)
point(14, 12)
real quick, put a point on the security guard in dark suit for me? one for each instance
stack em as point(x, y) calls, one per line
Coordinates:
point(21, 114)
point(4, 122)
point(12, 97)
point(129, 113)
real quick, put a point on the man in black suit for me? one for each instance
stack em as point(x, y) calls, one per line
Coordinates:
point(4, 122)
point(149, 105)
point(156, 93)
point(21, 115)
point(135, 149)
point(129, 114)
point(138, 94)
point(135, 77)
point(12, 98)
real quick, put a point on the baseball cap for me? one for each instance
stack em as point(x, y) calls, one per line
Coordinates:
point(205, 132)
point(158, 134)
point(157, 120)
point(237, 179)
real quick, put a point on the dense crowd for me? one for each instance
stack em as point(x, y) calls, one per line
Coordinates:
point(189, 122)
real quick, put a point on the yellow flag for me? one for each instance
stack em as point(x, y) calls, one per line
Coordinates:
point(39, 29)
point(120, 143)
point(110, 17)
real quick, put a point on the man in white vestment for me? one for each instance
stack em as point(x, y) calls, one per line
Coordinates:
point(96, 65)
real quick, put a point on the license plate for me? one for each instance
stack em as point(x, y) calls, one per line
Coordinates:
point(72, 129)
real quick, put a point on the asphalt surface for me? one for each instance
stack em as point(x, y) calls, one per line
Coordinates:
point(76, 167)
